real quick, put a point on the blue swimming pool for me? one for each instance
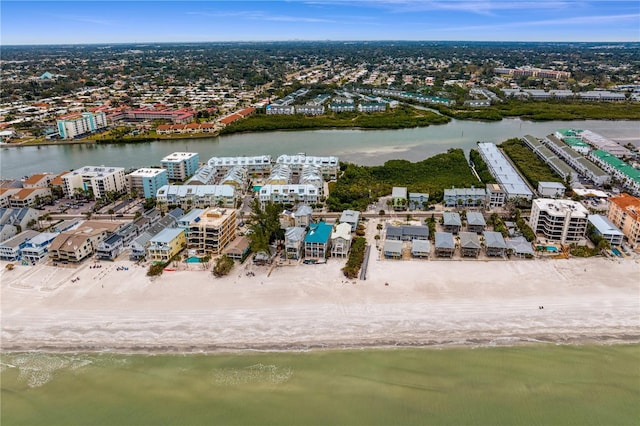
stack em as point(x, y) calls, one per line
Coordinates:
point(193, 259)
point(552, 249)
point(616, 252)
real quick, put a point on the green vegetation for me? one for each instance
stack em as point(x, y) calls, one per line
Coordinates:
point(548, 110)
point(156, 269)
point(481, 167)
point(583, 251)
point(358, 186)
point(527, 162)
point(431, 224)
point(398, 118)
point(598, 241)
point(520, 385)
point(525, 229)
point(356, 257)
point(224, 265)
point(265, 226)
point(498, 225)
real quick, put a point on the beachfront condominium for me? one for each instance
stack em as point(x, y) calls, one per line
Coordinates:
point(99, 180)
point(212, 230)
point(180, 165)
point(72, 126)
point(624, 212)
point(146, 182)
point(564, 221)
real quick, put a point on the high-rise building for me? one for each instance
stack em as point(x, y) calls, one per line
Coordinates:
point(98, 180)
point(624, 212)
point(72, 126)
point(146, 182)
point(180, 165)
point(564, 221)
point(212, 230)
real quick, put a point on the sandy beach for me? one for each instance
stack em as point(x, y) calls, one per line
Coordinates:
point(416, 302)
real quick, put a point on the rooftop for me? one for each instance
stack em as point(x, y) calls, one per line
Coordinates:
point(318, 233)
point(628, 203)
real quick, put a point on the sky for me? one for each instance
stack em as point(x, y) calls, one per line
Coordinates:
point(119, 21)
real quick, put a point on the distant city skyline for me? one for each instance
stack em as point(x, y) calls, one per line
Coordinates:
point(78, 22)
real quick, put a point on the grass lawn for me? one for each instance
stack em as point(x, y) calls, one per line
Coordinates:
point(541, 384)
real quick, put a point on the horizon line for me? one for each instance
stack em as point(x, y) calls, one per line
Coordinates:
point(319, 40)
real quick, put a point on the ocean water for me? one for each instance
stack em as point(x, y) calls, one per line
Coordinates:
point(530, 384)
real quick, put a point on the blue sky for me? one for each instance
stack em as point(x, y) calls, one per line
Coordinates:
point(58, 22)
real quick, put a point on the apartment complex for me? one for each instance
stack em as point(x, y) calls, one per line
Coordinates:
point(575, 160)
point(72, 126)
point(257, 166)
point(464, 197)
point(628, 175)
point(289, 194)
point(212, 230)
point(564, 221)
point(147, 181)
point(181, 116)
point(624, 212)
point(180, 165)
point(200, 196)
point(512, 183)
point(533, 72)
point(329, 166)
point(27, 197)
point(98, 180)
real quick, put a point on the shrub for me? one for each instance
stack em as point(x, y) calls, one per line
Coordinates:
point(224, 265)
point(356, 257)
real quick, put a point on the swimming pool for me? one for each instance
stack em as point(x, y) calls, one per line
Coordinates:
point(193, 259)
point(616, 252)
point(552, 249)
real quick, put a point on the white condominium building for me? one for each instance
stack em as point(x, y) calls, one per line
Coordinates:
point(564, 221)
point(512, 183)
point(98, 180)
point(289, 194)
point(72, 126)
point(197, 196)
point(328, 166)
point(257, 166)
point(180, 165)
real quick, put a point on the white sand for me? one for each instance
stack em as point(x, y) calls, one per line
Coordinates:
point(426, 302)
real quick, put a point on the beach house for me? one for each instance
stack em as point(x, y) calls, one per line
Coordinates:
point(469, 244)
point(494, 244)
point(294, 242)
point(445, 246)
point(166, 244)
point(341, 240)
point(317, 242)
